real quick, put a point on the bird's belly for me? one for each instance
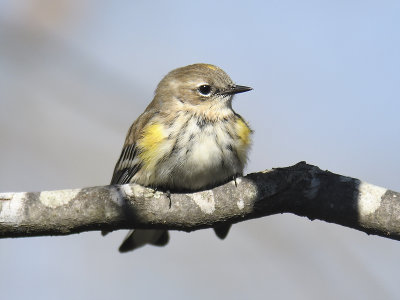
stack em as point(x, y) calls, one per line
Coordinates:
point(203, 159)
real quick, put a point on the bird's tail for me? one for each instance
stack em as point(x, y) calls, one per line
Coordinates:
point(222, 231)
point(138, 238)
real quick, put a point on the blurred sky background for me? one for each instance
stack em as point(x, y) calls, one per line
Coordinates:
point(74, 74)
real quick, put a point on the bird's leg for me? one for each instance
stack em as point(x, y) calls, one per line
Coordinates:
point(234, 178)
point(168, 192)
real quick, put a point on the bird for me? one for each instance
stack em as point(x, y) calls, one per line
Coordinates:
point(189, 138)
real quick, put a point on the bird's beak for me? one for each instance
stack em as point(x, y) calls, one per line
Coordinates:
point(236, 89)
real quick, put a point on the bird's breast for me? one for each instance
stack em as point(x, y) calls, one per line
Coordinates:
point(193, 153)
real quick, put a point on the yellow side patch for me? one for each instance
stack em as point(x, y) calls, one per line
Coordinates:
point(243, 131)
point(150, 143)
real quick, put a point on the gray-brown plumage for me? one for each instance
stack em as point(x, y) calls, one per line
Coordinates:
point(188, 139)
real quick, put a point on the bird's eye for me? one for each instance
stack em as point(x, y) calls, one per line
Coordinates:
point(205, 89)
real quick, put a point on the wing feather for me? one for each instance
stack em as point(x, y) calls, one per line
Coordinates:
point(127, 165)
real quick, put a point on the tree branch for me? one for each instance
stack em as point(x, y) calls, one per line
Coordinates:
point(302, 189)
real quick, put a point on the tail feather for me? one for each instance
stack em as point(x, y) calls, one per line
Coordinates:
point(162, 240)
point(222, 231)
point(138, 238)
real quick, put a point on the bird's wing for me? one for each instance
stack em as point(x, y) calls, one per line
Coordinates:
point(127, 165)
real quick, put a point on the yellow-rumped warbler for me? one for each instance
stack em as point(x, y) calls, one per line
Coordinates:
point(188, 138)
